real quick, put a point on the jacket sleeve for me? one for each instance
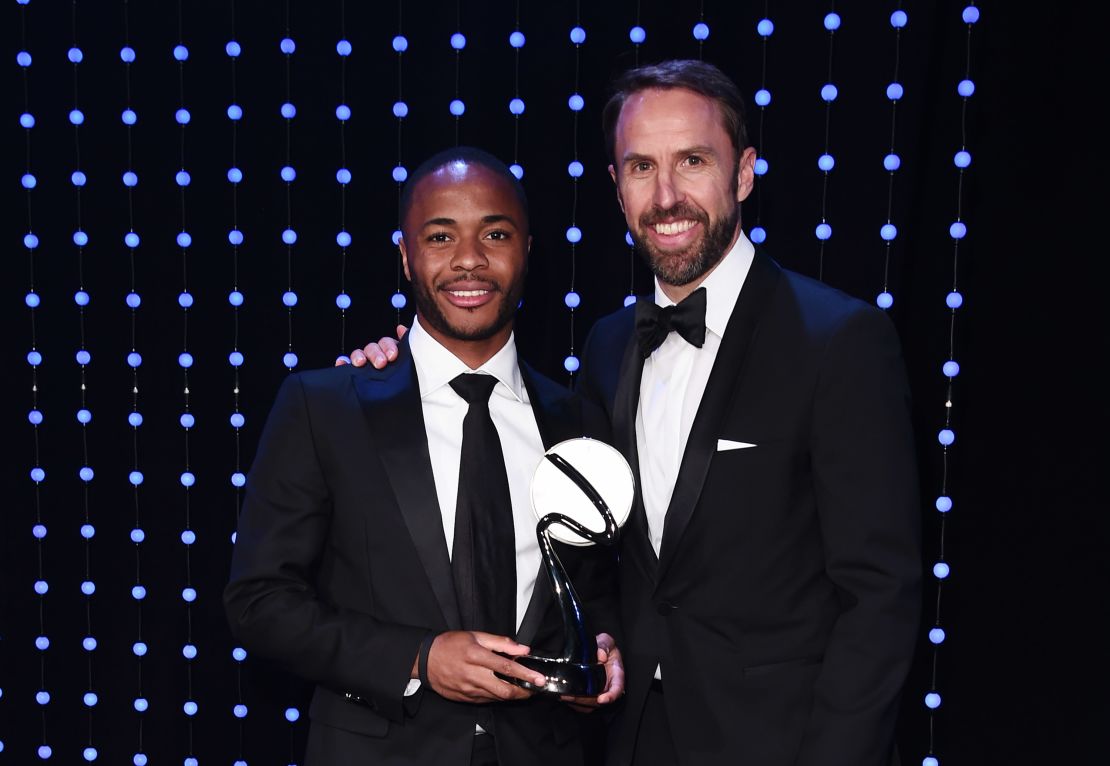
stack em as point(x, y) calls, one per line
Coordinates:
point(271, 602)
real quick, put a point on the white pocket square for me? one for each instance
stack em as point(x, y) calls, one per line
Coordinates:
point(727, 444)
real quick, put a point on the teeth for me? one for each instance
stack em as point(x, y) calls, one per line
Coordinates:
point(676, 227)
point(468, 293)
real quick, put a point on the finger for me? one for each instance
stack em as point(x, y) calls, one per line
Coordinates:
point(389, 348)
point(581, 704)
point(358, 359)
point(401, 330)
point(502, 644)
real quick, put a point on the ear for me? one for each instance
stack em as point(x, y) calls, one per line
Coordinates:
point(613, 175)
point(404, 258)
point(745, 174)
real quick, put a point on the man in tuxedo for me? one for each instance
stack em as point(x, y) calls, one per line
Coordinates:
point(402, 604)
point(770, 571)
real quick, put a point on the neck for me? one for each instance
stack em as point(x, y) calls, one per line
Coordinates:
point(678, 292)
point(471, 352)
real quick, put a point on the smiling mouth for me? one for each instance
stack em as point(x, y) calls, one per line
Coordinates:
point(468, 293)
point(671, 228)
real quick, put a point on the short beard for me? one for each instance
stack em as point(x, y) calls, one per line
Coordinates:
point(430, 312)
point(684, 267)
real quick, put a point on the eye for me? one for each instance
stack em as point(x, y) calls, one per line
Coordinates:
point(438, 236)
point(695, 160)
point(499, 235)
point(642, 166)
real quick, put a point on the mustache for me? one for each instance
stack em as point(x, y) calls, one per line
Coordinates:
point(481, 282)
point(680, 210)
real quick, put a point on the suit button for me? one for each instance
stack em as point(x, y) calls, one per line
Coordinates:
point(665, 608)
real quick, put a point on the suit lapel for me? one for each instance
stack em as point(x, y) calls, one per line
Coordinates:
point(391, 402)
point(716, 403)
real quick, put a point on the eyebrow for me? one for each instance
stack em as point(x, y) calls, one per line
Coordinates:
point(700, 149)
point(488, 219)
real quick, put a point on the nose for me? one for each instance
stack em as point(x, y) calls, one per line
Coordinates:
point(469, 255)
point(667, 191)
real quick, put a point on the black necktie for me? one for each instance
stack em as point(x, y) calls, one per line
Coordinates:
point(483, 555)
point(654, 323)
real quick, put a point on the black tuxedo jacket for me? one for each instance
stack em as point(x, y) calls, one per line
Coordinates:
point(784, 602)
point(341, 568)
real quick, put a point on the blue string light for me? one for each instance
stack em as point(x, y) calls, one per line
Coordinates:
point(572, 300)
point(400, 110)
point(457, 107)
point(516, 104)
point(894, 93)
point(343, 237)
point(764, 28)
point(826, 162)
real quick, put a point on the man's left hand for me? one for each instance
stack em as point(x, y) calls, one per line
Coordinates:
point(609, 655)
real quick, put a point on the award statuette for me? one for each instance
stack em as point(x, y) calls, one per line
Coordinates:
point(582, 492)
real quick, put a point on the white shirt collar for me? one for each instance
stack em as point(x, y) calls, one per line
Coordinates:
point(722, 286)
point(437, 367)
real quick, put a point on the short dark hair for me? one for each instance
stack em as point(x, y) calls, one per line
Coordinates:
point(471, 156)
point(697, 76)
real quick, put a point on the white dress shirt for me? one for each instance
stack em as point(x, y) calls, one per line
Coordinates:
point(521, 445)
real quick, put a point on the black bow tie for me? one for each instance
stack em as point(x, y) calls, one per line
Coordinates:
point(687, 318)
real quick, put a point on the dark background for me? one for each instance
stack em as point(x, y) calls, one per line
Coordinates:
point(1023, 673)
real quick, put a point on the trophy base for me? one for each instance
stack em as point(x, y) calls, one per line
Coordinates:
point(573, 679)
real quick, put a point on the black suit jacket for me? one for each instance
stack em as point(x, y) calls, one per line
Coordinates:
point(341, 568)
point(784, 603)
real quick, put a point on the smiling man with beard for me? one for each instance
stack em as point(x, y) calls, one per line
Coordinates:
point(401, 604)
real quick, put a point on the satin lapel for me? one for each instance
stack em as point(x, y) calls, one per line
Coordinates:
point(625, 405)
point(716, 403)
point(391, 402)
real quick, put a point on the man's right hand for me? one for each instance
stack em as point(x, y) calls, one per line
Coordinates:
point(462, 663)
point(377, 354)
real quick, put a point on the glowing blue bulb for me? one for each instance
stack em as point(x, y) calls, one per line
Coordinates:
point(80, 238)
point(962, 159)
point(41, 587)
point(941, 570)
point(628, 238)
point(34, 358)
point(88, 587)
point(929, 761)
point(936, 635)
point(239, 653)
point(898, 19)
point(235, 112)
point(575, 169)
point(398, 300)
point(701, 31)
point(130, 178)
point(233, 49)
point(42, 643)
point(237, 420)
point(44, 752)
point(396, 236)
point(943, 504)
point(895, 91)
point(287, 45)
point(970, 14)
point(289, 359)
point(134, 419)
point(139, 759)
point(289, 299)
point(343, 176)
point(235, 359)
point(180, 52)
point(239, 711)
point(184, 239)
point(127, 54)
point(888, 231)
point(516, 39)
point(826, 162)
point(765, 28)
point(892, 162)
point(235, 298)
point(235, 237)
point(139, 593)
point(758, 235)
point(400, 174)
point(824, 231)
point(629, 300)
point(83, 357)
point(516, 106)
point(27, 120)
point(832, 21)
point(137, 535)
point(32, 300)
point(235, 175)
point(761, 167)
point(135, 477)
point(238, 479)
point(35, 417)
point(572, 299)
point(400, 44)
point(574, 234)
point(189, 594)
point(89, 753)
point(190, 708)
point(23, 58)
point(288, 111)
point(81, 298)
point(129, 117)
point(289, 236)
point(182, 116)
point(30, 241)
point(288, 174)
point(88, 531)
point(185, 359)
point(187, 420)
point(134, 359)
point(932, 700)
point(965, 88)
point(343, 112)
point(189, 651)
point(457, 107)
point(571, 363)
point(28, 181)
point(141, 704)
point(884, 300)
point(637, 35)
point(576, 103)
point(958, 230)
point(828, 92)
point(951, 368)
point(90, 699)
point(578, 35)
point(517, 170)
point(458, 41)
point(343, 239)
point(400, 109)
point(946, 436)
point(85, 473)
point(292, 714)
point(188, 479)
point(75, 55)
point(39, 531)
point(762, 97)
point(43, 697)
